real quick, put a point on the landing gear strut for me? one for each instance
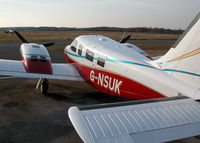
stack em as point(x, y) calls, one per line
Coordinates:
point(44, 85)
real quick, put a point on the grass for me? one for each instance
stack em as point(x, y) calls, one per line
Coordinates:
point(154, 49)
point(70, 35)
point(56, 48)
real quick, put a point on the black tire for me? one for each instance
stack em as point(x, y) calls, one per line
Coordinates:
point(45, 86)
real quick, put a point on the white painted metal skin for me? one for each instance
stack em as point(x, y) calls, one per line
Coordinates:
point(36, 51)
point(143, 123)
point(184, 56)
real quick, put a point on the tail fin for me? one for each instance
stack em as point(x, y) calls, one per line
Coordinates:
point(183, 59)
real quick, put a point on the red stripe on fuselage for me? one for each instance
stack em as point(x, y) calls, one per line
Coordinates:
point(68, 60)
point(115, 84)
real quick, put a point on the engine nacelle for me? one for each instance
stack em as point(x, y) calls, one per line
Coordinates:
point(35, 58)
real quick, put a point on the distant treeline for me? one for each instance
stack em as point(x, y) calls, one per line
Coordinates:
point(113, 29)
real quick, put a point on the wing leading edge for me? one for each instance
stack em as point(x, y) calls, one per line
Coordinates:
point(60, 71)
point(153, 121)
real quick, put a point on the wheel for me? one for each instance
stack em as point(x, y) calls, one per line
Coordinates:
point(44, 86)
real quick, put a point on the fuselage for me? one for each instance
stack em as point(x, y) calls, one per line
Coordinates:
point(121, 69)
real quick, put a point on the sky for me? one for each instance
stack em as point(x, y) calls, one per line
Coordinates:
point(173, 14)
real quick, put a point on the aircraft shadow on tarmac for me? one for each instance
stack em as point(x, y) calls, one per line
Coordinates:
point(82, 98)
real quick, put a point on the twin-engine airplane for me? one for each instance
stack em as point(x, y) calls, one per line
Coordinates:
point(122, 69)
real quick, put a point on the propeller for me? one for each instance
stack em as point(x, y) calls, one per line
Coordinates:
point(124, 40)
point(21, 37)
point(48, 44)
point(23, 40)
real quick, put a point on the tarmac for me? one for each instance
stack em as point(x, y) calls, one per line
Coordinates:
point(27, 116)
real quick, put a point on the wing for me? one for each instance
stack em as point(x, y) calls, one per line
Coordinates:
point(60, 71)
point(150, 121)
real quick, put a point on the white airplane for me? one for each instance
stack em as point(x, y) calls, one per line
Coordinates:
point(122, 69)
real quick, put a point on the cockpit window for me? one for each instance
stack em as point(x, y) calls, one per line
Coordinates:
point(101, 62)
point(89, 55)
point(75, 43)
point(73, 49)
point(80, 48)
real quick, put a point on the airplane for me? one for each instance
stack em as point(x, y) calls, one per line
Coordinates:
point(9, 31)
point(35, 62)
point(167, 87)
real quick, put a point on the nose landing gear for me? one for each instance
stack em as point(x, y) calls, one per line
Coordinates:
point(44, 85)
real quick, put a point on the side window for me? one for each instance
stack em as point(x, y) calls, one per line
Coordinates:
point(80, 49)
point(74, 45)
point(89, 55)
point(101, 62)
point(73, 49)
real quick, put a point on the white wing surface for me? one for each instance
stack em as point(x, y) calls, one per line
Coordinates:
point(60, 71)
point(150, 121)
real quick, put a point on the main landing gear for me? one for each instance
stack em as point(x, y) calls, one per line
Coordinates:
point(43, 84)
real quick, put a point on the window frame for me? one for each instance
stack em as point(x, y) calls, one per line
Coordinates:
point(80, 50)
point(101, 62)
point(73, 48)
point(89, 55)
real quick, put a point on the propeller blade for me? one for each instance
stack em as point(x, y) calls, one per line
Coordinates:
point(48, 44)
point(125, 39)
point(21, 37)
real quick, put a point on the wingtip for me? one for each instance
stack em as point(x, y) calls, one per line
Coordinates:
point(81, 128)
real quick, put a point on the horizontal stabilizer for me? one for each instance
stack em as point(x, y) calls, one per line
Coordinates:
point(151, 121)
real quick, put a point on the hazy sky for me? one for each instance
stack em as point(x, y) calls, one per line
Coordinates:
point(92, 13)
